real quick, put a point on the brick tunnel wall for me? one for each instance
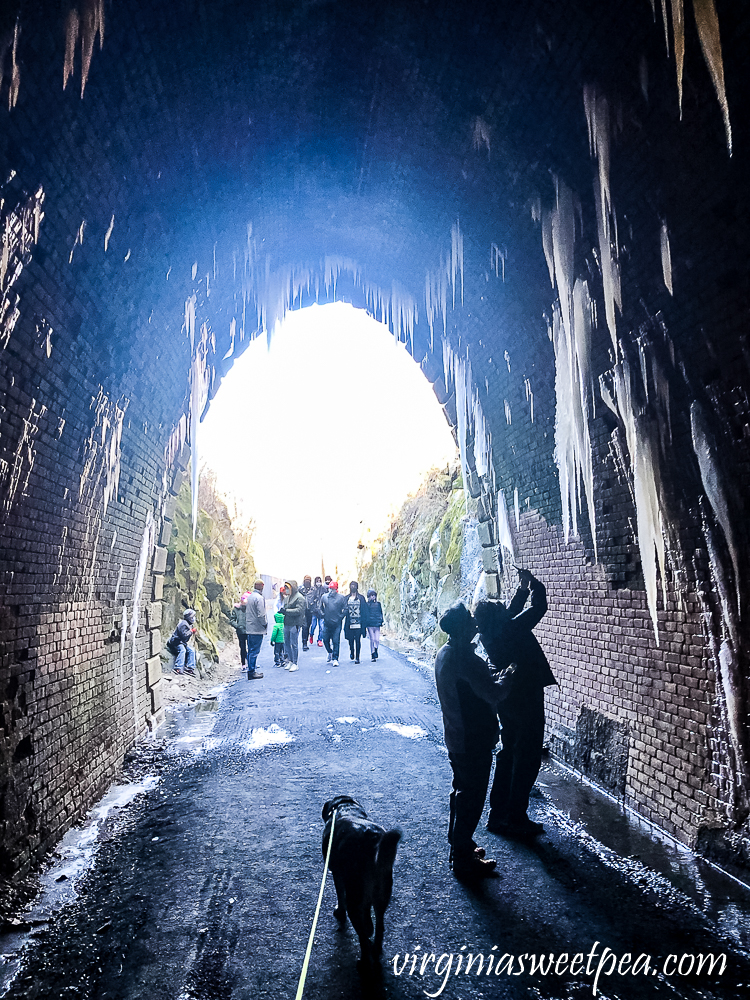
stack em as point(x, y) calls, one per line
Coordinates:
point(374, 147)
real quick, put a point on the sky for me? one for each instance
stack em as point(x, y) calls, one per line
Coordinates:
point(320, 437)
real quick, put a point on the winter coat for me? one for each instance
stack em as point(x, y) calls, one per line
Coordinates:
point(518, 644)
point(278, 629)
point(256, 620)
point(334, 606)
point(294, 605)
point(355, 618)
point(314, 599)
point(180, 637)
point(237, 618)
point(374, 614)
point(470, 691)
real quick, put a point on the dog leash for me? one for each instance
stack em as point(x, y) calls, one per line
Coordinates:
point(305, 964)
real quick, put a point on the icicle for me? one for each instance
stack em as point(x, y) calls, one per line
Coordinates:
point(517, 509)
point(497, 260)
point(708, 31)
point(91, 25)
point(78, 240)
point(731, 682)
point(713, 484)
point(529, 397)
point(678, 33)
point(199, 382)
point(481, 136)
point(147, 544)
point(457, 260)
point(15, 71)
point(504, 536)
point(666, 258)
point(507, 411)
point(597, 117)
point(232, 332)
point(17, 473)
point(72, 26)
point(666, 23)
point(547, 246)
point(109, 233)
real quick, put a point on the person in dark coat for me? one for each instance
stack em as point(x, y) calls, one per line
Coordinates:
point(178, 643)
point(237, 621)
point(334, 605)
point(354, 620)
point(470, 692)
point(307, 592)
point(506, 634)
point(374, 622)
point(314, 603)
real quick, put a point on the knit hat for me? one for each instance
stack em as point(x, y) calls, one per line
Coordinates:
point(457, 619)
point(189, 616)
point(333, 585)
point(372, 593)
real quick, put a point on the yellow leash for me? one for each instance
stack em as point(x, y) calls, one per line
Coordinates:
point(302, 978)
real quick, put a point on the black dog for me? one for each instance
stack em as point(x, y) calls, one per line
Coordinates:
point(362, 857)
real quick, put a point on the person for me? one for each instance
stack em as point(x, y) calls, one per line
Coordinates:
point(237, 621)
point(334, 605)
point(470, 691)
point(374, 622)
point(316, 620)
point(277, 640)
point(306, 590)
point(506, 634)
point(178, 643)
point(281, 599)
point(294, 619)
point(354, 620)
point(256, 626)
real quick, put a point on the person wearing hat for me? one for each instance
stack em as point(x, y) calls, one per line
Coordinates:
point(177, 644)
point(374, 621)
point(506, 634)
point(470, 692)
point(307, 592)
point(256, 625)
point(334, 608)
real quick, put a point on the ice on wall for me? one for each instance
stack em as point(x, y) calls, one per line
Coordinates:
point(199, 385)
point(108, 234)
point(666, 258)
point(470, 419)
point(504, 536)
point(20, 232)
point(596, 107)
point(627, 395)
point(84, 26)
point(481, 136)
point(529, 397)
point(101, 466)
point(15, 70)
point(715, 487)
point(15, 474)
point(438, 283)
point(78, 240)
point(147, 545)
point(570, 329)
point(707, 21)
point(497, 260)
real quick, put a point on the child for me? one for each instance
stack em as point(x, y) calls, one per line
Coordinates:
point(277, 640)
point(374, 613)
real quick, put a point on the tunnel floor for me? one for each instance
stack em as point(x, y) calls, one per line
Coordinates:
point(204, 887)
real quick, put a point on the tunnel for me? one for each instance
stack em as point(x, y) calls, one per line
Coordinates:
point(547, 203)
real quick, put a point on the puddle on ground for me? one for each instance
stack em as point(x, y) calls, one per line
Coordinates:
point(651, 859)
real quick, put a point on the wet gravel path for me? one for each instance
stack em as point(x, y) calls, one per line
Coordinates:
point(207, 888)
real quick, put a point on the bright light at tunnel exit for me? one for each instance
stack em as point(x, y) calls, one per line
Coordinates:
point(320, 437)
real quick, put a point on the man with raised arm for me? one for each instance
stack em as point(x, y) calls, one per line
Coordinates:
point(506, 634)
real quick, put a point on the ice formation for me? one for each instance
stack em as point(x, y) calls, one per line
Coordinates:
point(517, 509)
point(147, 545)
point(666, 258)
point(199, 384)
point(570, 329)
point(85, 26)
point(629, 400)
point(469, 413)
point(504, 536)
point(109, 232)
point(597, 117)
point(707, 21)
point(715, 487)
point(17, 473)
point(102, 462)
point(497, 260)
point(78, 240)
point(438, 282)
point(529, 397)
point(20, 232)
point(15, 70)
point(481, 136)
point(678, 32)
